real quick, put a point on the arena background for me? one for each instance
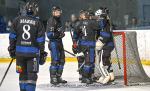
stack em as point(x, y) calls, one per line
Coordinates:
point(121, 11)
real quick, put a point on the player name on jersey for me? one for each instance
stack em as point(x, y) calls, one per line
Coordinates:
point(25, 43)
point(27, 21)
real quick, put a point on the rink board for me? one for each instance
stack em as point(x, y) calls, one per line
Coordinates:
point(71, 59)
point(142, 37)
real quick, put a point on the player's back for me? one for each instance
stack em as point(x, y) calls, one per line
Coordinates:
point(26, 28)
point(89, 28)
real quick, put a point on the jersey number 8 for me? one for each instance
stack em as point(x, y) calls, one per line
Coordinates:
point(26, 34)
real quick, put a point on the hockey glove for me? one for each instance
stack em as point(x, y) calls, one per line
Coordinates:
point(12, 53)
point(62, 34)
point(43, 56)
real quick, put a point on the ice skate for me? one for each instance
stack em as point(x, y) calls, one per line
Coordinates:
point(60, 80)
point(54, 81)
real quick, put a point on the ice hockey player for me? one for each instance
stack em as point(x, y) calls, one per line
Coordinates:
point(27, 40)
point(55, 33)
point(104, 47)
point(87, 44)
point(75, 47)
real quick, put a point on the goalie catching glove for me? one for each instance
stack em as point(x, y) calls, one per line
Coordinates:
point(43, 56)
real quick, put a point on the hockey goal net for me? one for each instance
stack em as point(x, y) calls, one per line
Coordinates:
point(126, 52)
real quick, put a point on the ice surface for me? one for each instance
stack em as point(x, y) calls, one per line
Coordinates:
point(70, 74)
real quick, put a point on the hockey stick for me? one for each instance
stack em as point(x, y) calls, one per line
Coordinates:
point(118, 61)
point(65, 50)
point(81, 66)
point(6, 72)
point(84, 60)
point(69, 53)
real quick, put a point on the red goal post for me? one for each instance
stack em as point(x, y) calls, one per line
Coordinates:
point(123, 36)
point(126, 47)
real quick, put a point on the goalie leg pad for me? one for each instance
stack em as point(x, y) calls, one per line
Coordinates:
point(102, 67)
point(112, 76)
point(107, 63)
point(97, 71)
point(105, 74)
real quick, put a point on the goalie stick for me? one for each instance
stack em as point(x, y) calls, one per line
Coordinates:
point(6, 72)
point(118, 61)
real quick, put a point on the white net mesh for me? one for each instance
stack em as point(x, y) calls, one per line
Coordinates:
point(128, 52)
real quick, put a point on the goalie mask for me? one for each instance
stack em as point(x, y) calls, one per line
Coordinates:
point(98, 12)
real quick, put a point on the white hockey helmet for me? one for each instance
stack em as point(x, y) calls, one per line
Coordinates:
point(98, 12)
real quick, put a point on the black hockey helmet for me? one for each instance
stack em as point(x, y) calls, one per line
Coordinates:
point(91, 12)
point(54, 8)
point(31, 8)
